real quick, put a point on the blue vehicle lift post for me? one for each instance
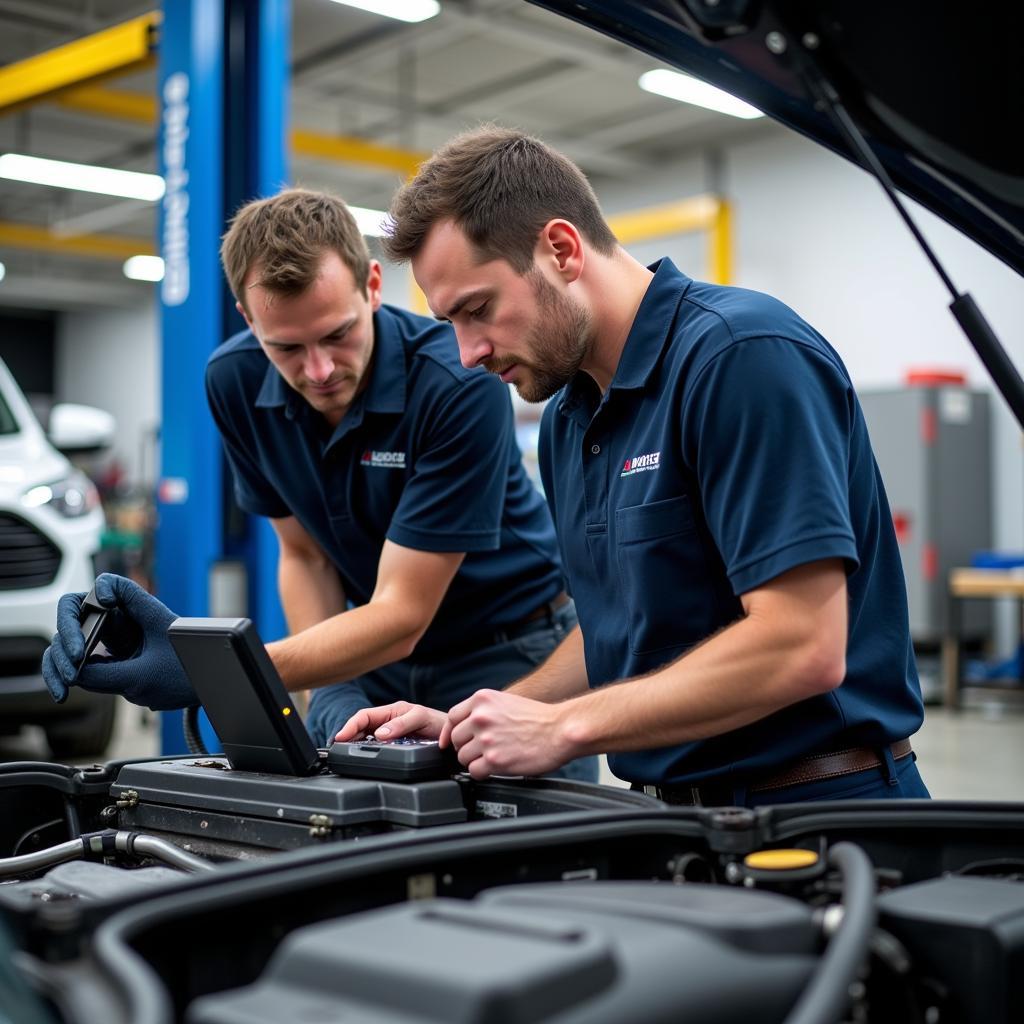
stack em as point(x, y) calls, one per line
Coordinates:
point(224, 96)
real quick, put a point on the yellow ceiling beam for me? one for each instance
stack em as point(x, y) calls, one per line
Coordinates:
point(119, 49)
point(139, 107)
point(109, 247)
point(706, 212)
point(120, 105)
point(349, 150)
point(696, 213)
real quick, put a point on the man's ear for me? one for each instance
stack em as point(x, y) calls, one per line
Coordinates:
point(561, 245)
point(245, 316)
point(374, 285)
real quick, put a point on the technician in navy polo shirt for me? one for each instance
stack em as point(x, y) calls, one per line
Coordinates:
point(743, 631)
point(418, 561)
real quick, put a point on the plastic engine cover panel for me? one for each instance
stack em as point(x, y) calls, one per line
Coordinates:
point(586, 960)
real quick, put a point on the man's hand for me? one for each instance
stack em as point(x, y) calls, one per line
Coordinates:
point(499, 733)
point(143, 667)
point(393, 721)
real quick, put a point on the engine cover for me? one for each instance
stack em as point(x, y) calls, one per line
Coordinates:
point(580, 953)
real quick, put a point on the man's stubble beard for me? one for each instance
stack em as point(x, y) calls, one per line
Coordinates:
point(557, 342)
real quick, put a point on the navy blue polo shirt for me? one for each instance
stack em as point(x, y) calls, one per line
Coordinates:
point(729, 448)
point(425, 456)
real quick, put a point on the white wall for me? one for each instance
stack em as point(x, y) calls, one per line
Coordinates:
point(820, 234)
point(111, 359)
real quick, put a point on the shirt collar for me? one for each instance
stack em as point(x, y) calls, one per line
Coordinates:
point(274, 392)
point(651, 326)
point(385, 391)
point(645, 342)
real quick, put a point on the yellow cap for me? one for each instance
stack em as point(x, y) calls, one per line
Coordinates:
point(780, 860)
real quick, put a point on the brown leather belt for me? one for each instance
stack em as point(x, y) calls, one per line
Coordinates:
point(503, 634)
point(813, 768)
point(547, 609)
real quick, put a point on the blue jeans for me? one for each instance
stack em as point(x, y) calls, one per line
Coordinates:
point(445, 681)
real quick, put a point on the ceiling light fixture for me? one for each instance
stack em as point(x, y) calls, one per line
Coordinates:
point(403, 10)
point(105, 181)
point(686, 89)
point(144, 268)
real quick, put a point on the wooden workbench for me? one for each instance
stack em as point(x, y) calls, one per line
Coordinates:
point(967, 584)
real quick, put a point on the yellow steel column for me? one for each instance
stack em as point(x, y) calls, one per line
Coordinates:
point(720, 244)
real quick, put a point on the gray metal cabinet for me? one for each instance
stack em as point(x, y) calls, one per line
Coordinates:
point(933, 448)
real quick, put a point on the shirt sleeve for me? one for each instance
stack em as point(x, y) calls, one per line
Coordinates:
point(253, 492)
point(454, 498)
point(767, 423)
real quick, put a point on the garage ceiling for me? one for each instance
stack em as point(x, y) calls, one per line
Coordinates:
point(354, 74)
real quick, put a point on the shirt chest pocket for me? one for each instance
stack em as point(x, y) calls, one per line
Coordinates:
point(663, 575)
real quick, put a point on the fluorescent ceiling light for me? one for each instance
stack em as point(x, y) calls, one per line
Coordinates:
point(369, 222)
point(144, 268)
point(84, 177)
point(403, 10)
point(687, 89)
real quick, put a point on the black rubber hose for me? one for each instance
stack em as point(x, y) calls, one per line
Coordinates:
point(190, 727)
point(71, 818)
point(826, 996)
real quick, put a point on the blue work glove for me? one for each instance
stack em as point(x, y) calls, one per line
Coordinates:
point(142, 666)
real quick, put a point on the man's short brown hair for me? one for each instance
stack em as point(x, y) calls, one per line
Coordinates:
point(286, 236)
point(500, 187)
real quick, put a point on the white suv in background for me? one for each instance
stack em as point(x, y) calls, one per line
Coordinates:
point(50, 527)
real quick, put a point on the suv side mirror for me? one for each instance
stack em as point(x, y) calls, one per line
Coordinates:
point(80, 429)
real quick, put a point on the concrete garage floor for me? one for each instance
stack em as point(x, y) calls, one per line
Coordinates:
point(976, 754)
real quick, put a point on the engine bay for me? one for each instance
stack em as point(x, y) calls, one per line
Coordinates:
point(182, 890)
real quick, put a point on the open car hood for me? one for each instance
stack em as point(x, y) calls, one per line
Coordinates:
point(937, 91)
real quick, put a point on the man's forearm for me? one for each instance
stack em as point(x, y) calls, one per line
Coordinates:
point(310, 590)
point(344, 646)
point(751, 669)
point(562, 676)
point(322, 647)
point(410, 587)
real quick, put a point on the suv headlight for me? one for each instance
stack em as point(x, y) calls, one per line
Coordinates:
point(71, 496)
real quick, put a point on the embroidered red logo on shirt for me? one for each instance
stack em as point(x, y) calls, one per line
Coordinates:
point(383, 460)
point(641, 463)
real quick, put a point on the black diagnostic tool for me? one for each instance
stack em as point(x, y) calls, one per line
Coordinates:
point(402, 760)
point(234, 678)
point(92, 616)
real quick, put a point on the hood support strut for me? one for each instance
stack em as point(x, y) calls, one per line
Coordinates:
point(968, 315)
